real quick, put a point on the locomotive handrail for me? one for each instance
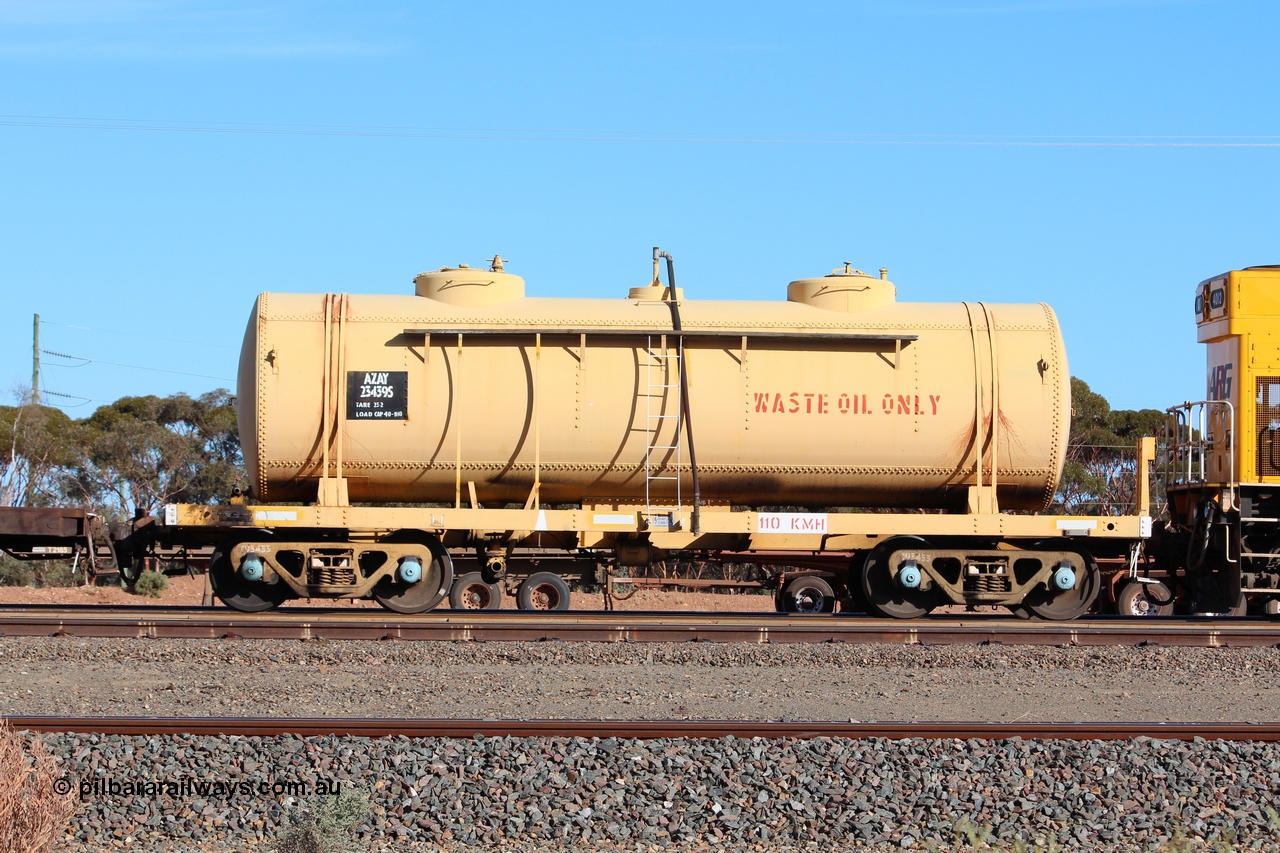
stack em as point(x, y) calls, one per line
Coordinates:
point(1190, 440)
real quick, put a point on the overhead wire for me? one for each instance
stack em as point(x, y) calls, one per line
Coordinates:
point(188, 341)
point(84, 361)
point(634, 136)
point(83, 400)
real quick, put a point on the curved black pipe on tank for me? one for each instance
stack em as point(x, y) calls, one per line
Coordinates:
point(674, 304)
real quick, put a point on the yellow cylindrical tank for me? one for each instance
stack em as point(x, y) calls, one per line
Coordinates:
point(837, 396)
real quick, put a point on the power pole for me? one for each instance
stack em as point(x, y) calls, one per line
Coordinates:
point(35, 363)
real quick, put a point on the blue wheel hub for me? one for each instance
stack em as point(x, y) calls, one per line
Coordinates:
point(1064, 578)
point(909, 576)
point(410, 570)
point(251, 568)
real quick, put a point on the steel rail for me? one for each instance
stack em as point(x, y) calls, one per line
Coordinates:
point(595, 626)
point(640, 729)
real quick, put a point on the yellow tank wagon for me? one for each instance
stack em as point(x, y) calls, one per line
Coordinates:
point(403, 433)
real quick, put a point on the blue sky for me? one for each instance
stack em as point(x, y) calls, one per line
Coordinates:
point(167, 160)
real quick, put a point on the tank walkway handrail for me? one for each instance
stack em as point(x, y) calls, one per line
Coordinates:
point(686, 334)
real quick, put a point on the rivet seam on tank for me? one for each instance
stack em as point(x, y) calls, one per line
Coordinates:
point(580, 380)
point(1051, 479)
point(910, 353)
point(263, 302)
point(555, 324)
point(718, 469)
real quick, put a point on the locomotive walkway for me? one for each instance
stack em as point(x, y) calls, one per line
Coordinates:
point(519, 626)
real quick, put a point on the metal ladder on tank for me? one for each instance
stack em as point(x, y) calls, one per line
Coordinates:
point(662, 405)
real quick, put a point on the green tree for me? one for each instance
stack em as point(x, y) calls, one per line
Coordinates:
point(141, 452)
point(37, 446)
point(1100, 473)
point(210, 422)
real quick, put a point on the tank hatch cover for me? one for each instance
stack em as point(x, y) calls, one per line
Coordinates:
point(845, 289)
point(469, 287)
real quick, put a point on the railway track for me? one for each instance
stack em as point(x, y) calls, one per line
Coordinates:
point(640, 729)
point(517, 626)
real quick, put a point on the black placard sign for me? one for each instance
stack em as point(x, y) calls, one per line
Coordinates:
point(377, 395)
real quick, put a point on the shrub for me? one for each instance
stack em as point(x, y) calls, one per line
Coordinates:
point(151, 583)
point(38, 573)
point(56, 573)
point(14, 572)
point(33, 815)
point(324, 825)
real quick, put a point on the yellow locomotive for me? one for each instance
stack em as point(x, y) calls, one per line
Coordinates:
point(1223, 452)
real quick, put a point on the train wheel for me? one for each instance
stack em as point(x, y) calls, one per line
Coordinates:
point(881, 587)
point(543, 591)
point(1059, 605)
point(1144, 599)
point(808, 594)
point(437, 577)
point(470, 592)
point(236, 592)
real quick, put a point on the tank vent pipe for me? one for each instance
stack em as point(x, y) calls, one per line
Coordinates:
point(684, 384)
